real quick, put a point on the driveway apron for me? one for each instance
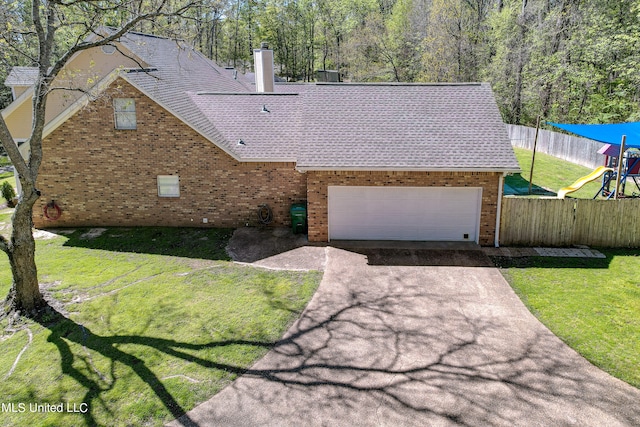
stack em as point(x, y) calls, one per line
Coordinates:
point(391, 342)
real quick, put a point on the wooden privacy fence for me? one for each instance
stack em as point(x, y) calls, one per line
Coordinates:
point(566, 222)
point(573, 149)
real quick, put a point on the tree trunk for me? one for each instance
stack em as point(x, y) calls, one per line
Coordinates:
point(25, 295)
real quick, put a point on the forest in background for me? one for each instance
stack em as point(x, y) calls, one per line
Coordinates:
point(567, 60)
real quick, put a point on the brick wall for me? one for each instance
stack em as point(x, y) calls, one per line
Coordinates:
point(318, 181)
point(102, 176)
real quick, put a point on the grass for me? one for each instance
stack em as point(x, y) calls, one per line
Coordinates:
point(156, 321)
point(9, 177)
point(593, 305)
point(552, 173)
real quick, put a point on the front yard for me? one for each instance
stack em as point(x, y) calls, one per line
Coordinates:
point(153, 321)
point(593, 305)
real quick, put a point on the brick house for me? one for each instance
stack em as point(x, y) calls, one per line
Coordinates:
point(166, 137)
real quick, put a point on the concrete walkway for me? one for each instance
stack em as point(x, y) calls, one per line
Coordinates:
point(396, 338)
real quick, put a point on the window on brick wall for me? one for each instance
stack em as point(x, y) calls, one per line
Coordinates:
point(168, 186)
point(124, 113)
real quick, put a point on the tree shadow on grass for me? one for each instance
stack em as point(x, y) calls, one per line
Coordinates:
point(64, 331)
point(516, 185)
point(201, 243)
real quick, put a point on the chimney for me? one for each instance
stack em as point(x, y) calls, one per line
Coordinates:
point(263, 59)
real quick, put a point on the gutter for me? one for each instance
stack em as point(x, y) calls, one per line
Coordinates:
point(502, 171)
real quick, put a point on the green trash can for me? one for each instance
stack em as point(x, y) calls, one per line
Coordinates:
point(298, 218)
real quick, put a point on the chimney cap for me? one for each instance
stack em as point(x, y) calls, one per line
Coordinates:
point(264, 45)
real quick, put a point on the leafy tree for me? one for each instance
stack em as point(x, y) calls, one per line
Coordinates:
point(511, 52)
point(47, 37)
point(455, 46)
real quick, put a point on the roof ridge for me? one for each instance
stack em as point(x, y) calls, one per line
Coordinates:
point(379, 84)
point(248, 93)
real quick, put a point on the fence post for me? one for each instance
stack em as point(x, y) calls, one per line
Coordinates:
point(533, 157)
point(624, 139)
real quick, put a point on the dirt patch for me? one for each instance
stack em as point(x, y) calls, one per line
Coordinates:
point(250, 244)
point(43, 235)
point(93, 233)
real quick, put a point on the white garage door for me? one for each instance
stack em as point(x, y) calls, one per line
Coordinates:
point(404, 213)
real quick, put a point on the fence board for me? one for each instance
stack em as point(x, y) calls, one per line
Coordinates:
point(566, 222)
point(573, 149)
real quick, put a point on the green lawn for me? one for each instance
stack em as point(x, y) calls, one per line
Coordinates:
point(591, 304)
point(156, 320)
point(552, 173)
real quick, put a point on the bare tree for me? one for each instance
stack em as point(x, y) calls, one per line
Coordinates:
point(58, 29)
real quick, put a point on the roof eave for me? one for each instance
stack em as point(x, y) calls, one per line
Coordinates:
point(28, 94)
point(268, 160)
point(407, 169)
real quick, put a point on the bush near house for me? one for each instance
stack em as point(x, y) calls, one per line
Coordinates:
point(8, 193)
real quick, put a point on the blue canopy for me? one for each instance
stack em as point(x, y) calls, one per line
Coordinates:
point(608, 133)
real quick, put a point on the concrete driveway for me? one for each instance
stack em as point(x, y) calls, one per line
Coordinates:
point(418, 338)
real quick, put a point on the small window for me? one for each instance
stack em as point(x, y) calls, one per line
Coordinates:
point(125, 113)
point(168, 186)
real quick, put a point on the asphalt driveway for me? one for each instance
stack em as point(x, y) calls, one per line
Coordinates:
point(401, 338)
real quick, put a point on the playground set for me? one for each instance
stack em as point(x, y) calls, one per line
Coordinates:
point(628, 153)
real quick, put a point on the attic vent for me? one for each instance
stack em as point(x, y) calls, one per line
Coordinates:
point(265, 109)
point(241, 142)
point(108, 49)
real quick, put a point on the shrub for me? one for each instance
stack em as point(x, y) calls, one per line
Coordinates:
point(8, 193)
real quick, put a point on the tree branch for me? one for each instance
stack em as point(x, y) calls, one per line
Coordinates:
point(10, 146)
point(5, 246)
point(116, 35)
point(37, 23)
point(17, 49)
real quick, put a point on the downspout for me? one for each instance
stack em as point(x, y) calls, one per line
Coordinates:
point(499, 209)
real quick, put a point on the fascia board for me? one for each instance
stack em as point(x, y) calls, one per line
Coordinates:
point(391, 169)
point(268, 160)
point(28, 94)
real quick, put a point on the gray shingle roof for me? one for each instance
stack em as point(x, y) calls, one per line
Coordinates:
point(364, 126)
point(403, 126)
point(22, 76)
point(269, 125)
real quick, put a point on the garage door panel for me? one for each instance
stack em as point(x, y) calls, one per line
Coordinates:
point(404, 213)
